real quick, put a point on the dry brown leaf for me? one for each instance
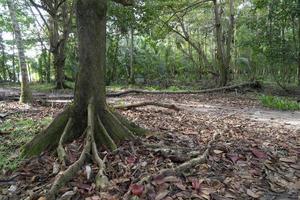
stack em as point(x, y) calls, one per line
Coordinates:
point(292, 159)
point(252, 194)
point(162, 195)
point(216, 151)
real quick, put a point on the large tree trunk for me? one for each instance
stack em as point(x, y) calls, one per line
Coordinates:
point(89, 113)
point(298, 43)
point(26, 96)
point(220, 45)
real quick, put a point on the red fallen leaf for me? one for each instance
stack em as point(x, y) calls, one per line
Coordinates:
point(137, 189)
point(233, 157)
point(259, 154)
point(130, 159)
point(196, 184)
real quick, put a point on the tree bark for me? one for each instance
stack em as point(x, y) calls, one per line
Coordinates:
point(89, 113)
point(4, 71)
point(58, 52)
point(299, 43)
point(220, 46)
point(90, 85)
point(131, 76)
point(230, 37)
point(26, 95)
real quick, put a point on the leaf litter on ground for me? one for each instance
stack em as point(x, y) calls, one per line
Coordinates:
point(251, 159)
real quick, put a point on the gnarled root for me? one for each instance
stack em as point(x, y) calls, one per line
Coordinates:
point(104, 128)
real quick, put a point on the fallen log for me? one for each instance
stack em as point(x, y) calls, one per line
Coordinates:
point(42, 96)
point(143, 104)
point(225, 88)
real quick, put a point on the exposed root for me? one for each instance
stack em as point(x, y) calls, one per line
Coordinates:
point(68, 174)
point(60, 149)
point(176, 155)
point(105, 128)
point(199, 160)
point(186, 165)
point(101, 179)
point(107, 139)
point(150, 103)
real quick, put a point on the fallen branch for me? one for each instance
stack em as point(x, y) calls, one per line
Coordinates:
point(65, 98)
point(231, 87)
point(150, 103)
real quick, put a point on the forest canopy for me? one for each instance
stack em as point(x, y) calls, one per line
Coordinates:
point(162, 42)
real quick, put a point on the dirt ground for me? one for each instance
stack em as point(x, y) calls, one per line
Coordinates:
point(255, 157)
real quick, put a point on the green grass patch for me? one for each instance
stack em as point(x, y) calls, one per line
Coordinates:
point(279, 103)
point(15, 133)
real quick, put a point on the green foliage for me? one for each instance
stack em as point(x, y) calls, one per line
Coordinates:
point(15, 133)
point(279, 103)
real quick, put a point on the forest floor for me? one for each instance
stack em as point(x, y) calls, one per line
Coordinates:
point(255, 157)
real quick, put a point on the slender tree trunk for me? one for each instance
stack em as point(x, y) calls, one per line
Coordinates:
point(26, 96)
point(57, 50)
point(230, 37)
point(15, 75)
point(4, 70)
point(220, 45)
point(113, 71)
point(131, 77)
point(48, 67)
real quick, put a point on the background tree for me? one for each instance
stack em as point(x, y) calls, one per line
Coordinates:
point(59, 27)
point(26, 96)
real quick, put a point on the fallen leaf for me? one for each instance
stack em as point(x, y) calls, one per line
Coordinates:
point(292, 159)
point(180, 186)
point(218, 151)
point(233, 157)
point(196, 184)
point(259, 154)
point(252, 194)
point(171, 179)
point(159, 179)
point(162, 195)
point(137, 189)
point(131, 159)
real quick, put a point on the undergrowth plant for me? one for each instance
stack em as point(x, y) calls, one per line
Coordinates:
point(279, 103)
